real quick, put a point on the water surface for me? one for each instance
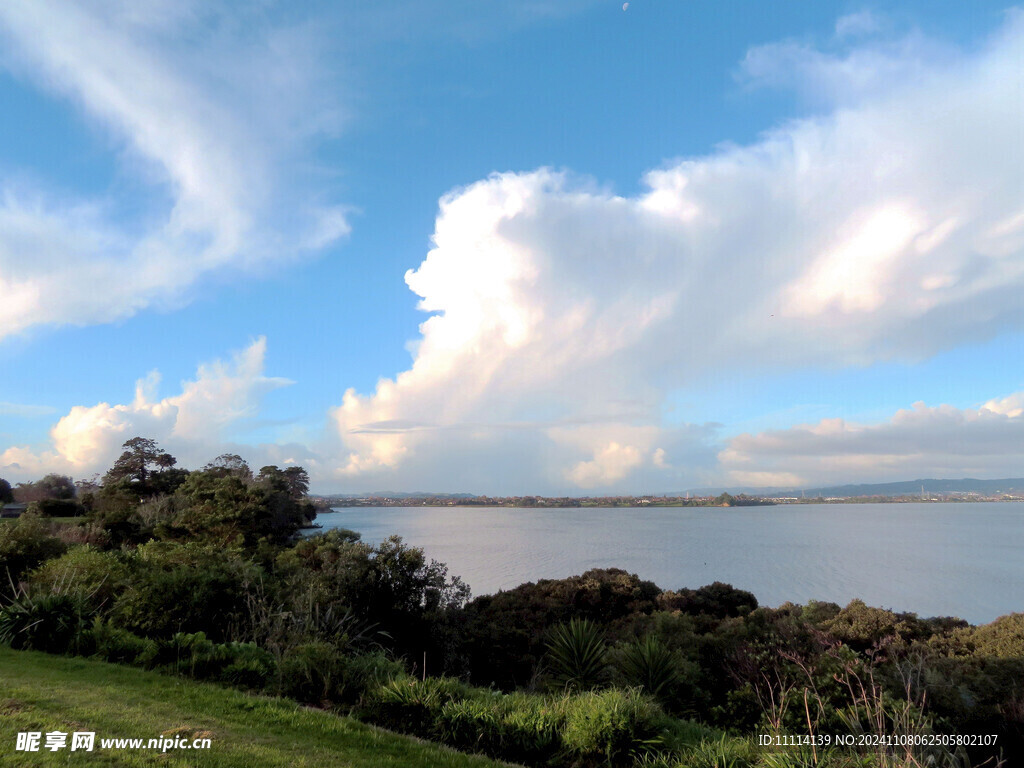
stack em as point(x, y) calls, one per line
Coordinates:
point(933, 559)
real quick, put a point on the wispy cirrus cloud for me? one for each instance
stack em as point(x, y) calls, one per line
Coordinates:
point(207, 111)
point(25, 410)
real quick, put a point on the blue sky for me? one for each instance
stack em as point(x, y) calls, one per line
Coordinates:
point(674, 245)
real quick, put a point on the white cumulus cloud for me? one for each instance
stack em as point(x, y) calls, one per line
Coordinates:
point(193, 425)
point(889, 226)
point(922, 441)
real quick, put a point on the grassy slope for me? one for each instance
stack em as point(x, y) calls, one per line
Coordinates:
point(43, 693)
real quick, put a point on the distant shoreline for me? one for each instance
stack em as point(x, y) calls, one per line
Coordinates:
point(327, 504)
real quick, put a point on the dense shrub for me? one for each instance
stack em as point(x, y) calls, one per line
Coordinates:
point(189, 653)
point(114, 511)
point(519, 727)
point(392, 591)
point(119, 646)
point(862, 627)
point(661, 653)
point(101, 576)
point(230, 509)
point(46, 621)
point(85, 532)
point(504, 636)
point(57, 508)
point(611, 727)
point(363, 672)
point(605, 728)
point(1003, 638)
point(24, 544)
point(280, 622)
point(717, 600)
point(319, 673)
point(185, 588)
point(413, 706)
point(245, 665)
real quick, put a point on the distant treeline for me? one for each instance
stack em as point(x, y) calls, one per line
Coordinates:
point(721, 500)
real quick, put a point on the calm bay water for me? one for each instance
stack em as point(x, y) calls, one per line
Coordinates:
point(933, 559)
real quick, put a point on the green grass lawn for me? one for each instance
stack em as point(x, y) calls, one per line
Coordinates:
point(39, 692)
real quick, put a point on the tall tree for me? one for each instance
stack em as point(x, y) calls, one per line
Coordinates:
point(6, 493)
point(139, 462)
point(56, 486)
point(52, 486)
point(294, 481)
point(224, 508)
point(230, 464)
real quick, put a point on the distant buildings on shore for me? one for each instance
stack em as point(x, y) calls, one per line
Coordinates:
point(721, 500)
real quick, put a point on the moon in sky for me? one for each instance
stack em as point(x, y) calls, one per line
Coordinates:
point(625, 6)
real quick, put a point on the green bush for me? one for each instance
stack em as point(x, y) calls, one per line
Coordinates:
point(1002, 638)
point(413, 706)
point(24, 544)
point(392, 593)
point(503, 637)
point(120, 646)
point(531, 727)
point(246, 665)
point(612, 727)
point(715, 600)
point(862, 627)
point(100, 575)
point(58, 508)
point(471, 724)
point(185, 588)
point(606, 728)
point(51, 622)
point(520, 727)
point(365, 671)
point(446, 710)
point(191, 654)
point(318, 672)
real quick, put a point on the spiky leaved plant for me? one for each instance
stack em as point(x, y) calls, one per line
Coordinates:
point(46, 622)
point(649, 664)
point(577, 655)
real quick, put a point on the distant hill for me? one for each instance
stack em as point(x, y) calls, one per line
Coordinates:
point(1013, 485)
point(913, 487)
